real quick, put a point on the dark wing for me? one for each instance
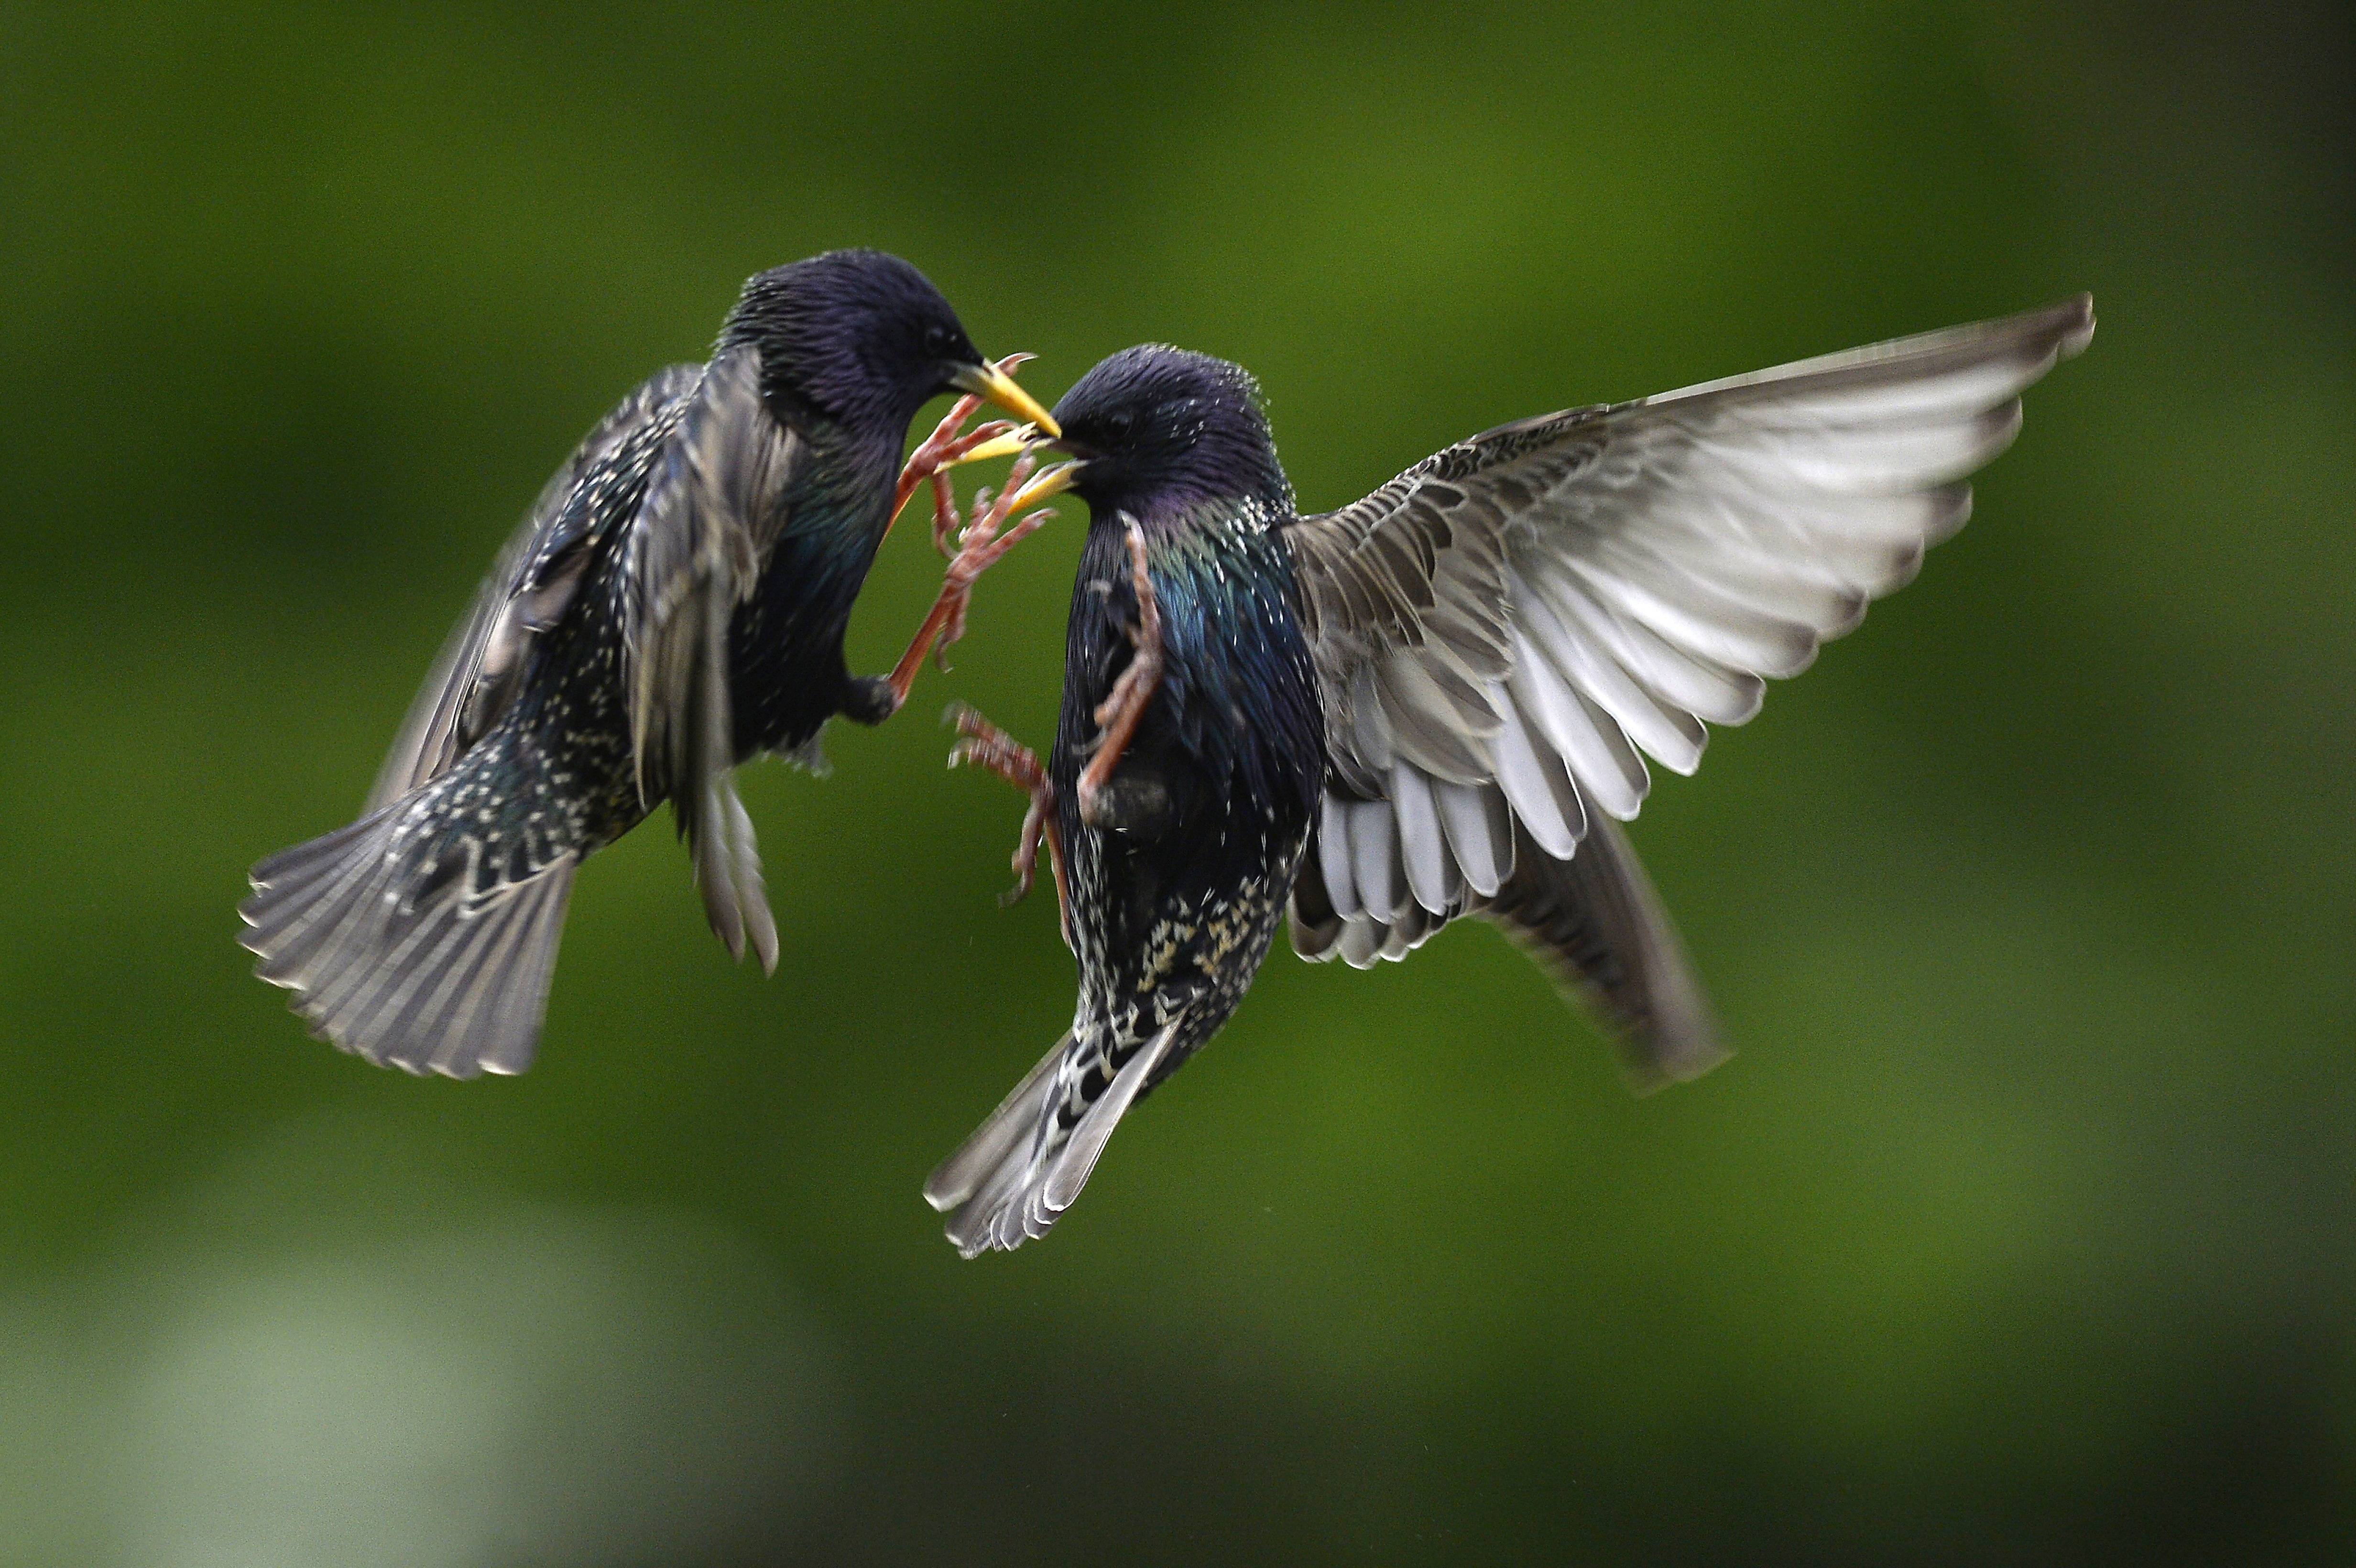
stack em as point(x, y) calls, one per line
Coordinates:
point(1501, 629)
point(713, 510)
point(465, 691)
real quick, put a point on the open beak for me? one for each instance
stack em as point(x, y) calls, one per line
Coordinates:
point(1044, 484)
point(1013, 444)
point(990, 382)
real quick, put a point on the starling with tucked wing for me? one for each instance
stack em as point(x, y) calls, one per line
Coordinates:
point(673, 606)
point(1431, 704)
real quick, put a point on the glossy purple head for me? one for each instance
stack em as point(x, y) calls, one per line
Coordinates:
point(860, 339)
point(1161, 429)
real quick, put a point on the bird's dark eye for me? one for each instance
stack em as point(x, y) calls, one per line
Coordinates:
point(1118, 424)
point(940, 339)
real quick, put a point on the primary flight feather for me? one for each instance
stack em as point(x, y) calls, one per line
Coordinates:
point(674, 604)
point(1436, 702)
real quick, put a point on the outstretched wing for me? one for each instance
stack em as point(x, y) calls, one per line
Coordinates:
point(1503, 628)
point(714, 508)
point(475, 675)
point(1593, 922)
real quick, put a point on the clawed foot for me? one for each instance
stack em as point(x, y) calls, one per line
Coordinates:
point(1117, 716)
point(948, 445)
point(980, 545)
point(984, 745)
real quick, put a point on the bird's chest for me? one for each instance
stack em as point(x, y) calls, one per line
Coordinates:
point(785, 671)
point(1177, 905)
point(1185, 915)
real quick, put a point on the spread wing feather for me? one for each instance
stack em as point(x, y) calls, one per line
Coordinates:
point(1590, 921)
point(472, 679)
point(715, 467)
point(1505, 630)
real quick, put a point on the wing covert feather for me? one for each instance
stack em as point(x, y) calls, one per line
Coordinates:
point(714, 508)
point(1502, 629)
point(458, 701)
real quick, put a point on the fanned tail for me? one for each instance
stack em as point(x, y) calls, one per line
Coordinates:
point(1013, 1179)
point(398, 943)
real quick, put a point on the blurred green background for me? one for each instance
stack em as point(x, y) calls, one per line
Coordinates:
point(2017, 1233)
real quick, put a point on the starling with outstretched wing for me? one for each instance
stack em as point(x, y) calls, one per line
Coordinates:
point(673, 606)
point(1435, 702)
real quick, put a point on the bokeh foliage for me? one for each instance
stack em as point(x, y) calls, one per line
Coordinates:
point(2017, 1233)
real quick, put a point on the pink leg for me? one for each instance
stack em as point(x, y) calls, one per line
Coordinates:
point(1118, 715)
point(980, 547)
point(985, 745)
point(937, 452)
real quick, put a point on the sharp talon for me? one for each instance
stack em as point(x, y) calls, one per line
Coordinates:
point(980, 546)
point(988, 746)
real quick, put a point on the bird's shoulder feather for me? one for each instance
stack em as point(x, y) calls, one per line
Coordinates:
point(529, 586)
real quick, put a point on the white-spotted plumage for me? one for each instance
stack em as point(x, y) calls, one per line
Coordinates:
point(425, 935)
point(1491, 644)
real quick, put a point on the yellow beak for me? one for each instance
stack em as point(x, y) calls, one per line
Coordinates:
point(1010, 445)
point(1041, 486)
point(989, 382)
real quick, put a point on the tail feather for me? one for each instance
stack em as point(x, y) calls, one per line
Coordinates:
point(1077, 1159)
point(291, 924)
point(1012, 1180)
point(1015, 1122)
point(394, 951)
